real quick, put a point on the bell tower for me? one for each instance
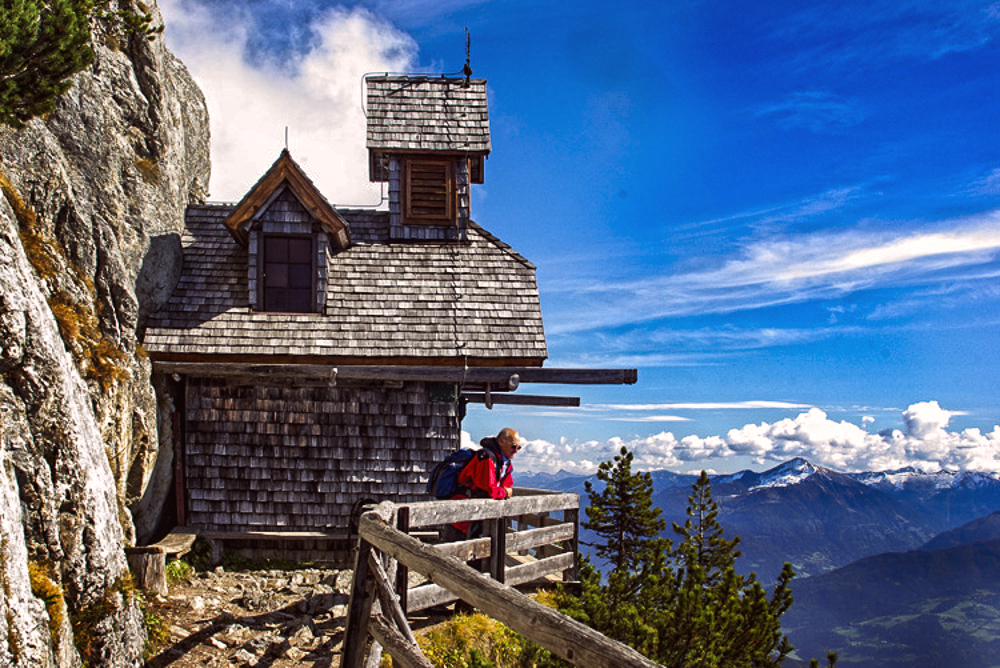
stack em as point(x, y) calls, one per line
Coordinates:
point(428, 137)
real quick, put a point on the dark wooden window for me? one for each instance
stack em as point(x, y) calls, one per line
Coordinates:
point(288, 274)
point(430, 191)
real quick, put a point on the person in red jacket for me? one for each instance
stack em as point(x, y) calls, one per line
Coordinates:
point(488, 475)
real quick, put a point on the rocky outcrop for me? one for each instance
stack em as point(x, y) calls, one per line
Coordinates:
point(93, 205)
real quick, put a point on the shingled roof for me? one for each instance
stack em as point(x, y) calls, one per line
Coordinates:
point(407, 113)
point(388, 303)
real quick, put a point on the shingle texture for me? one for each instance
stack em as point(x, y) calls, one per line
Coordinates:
point(280, 458)
point(427, 114)
point(477, 299)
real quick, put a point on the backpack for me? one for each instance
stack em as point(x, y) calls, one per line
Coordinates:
point(443, 482)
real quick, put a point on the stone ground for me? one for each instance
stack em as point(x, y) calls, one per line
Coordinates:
point(264, 618)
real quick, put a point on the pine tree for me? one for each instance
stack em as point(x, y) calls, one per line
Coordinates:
point(715, 616)
point(682, 605)
point(623, 515)
point(45, 42)
point(42, 44)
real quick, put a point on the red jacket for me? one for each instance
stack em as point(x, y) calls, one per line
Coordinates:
point(480, 475)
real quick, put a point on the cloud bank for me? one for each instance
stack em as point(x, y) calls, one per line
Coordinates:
point(314, 91)
point(924, 441)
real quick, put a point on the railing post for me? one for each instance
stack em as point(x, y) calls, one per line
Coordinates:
point(498, 548)
point(359, 611)
point(402, 572)
point(573, 515)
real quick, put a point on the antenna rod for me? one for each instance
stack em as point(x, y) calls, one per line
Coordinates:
point(286, 137)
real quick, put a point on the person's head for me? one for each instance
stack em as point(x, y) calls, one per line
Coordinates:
point(509, 442)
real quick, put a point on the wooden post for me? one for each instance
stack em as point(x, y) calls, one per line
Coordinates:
point(573, 574)
point(402, 572)
point(498, 547)
point(358, 612)
point(149, 564)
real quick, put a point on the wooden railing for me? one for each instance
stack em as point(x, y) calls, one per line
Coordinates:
point(380, 596)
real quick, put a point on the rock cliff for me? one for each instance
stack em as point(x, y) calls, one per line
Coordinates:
point(93, 204)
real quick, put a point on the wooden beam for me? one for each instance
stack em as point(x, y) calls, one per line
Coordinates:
point(388, 597)
point(446, 512)
point(565, 637)
point(358, 612)
point(508, 377)
point(521, 399)
point(403, 653)
point(535, 570)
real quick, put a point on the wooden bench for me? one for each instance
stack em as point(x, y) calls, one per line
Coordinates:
point(149, 562)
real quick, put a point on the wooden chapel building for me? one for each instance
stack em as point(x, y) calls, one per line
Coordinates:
point(317, 356)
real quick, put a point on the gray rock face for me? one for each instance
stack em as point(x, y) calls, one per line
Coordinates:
point(94, 194)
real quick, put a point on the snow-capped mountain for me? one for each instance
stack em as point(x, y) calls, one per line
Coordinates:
point(818, 518)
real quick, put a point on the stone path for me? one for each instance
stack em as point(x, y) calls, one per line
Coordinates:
point(256, 618)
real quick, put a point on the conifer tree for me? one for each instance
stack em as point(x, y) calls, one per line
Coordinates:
point(682, 605)
point(45, 42)
point(623, 515)
point(715, 616)
point(42, 44)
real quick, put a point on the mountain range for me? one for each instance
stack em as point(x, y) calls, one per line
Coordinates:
point(895, 568)
point(814, 517)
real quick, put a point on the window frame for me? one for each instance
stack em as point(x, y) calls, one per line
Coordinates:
point(262, 295)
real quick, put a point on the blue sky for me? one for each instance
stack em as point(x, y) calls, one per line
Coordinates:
point(786, 215)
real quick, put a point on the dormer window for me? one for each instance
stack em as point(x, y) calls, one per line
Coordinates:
point(287, 271)
point(429, 191)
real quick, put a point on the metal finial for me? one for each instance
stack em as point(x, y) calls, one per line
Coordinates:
point(467, 70)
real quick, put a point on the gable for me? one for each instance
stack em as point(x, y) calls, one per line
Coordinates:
point(285, 174)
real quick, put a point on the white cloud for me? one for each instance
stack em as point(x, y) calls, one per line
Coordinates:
point(784, 270)
point(316, 95)
point(924, 442)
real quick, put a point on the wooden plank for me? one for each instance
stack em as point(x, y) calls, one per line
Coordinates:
point(274, 535)
point(521, 399)
point(402, 572)
point(498, 547)
point(388, 597)
point(565, 637)
point(358, 612)
point(403, 653)
point(466, 550)
point(427, 596)
point(572, 516)
point(535, 570)
point(445, 512)
point(525, 540)
point(178, 542)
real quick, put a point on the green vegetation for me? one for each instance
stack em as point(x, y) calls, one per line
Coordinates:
point(683, 604)
point(179, 571)
point(157, 632)
point(43, 43)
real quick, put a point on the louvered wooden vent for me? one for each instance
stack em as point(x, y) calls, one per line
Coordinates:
point(430, 192)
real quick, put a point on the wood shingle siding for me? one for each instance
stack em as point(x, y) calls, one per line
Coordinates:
point(422, 114)
point(281, 458)
point(383, 300)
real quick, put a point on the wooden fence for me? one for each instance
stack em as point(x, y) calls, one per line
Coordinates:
point(381, 597)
